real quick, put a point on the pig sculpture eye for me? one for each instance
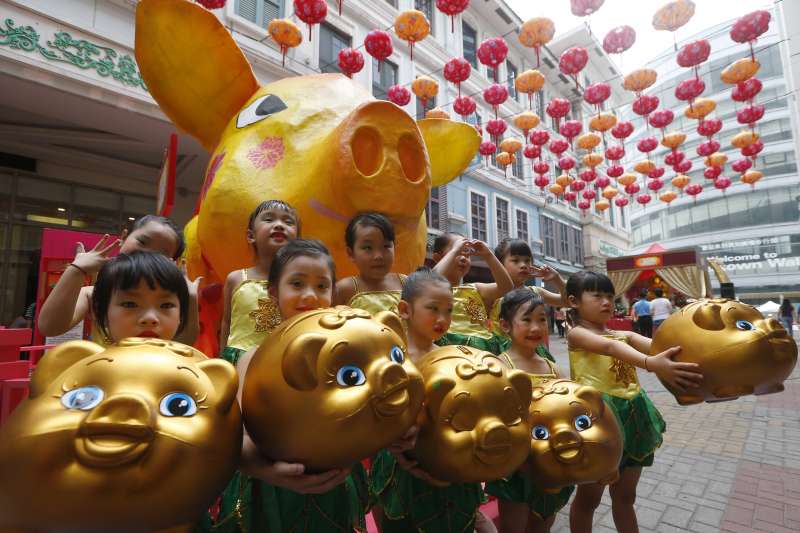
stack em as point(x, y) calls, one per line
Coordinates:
point(83, 398)
point(583, 422)
point(397, 355)
point(178, 404)
point(744, 325)
point(540, 433)
point(259, 109)
point(350, 376)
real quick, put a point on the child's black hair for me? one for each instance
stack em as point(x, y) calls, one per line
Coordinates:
point(368, 220)
point(517, 298)
point(273, 204)
point(441, 242)
point(126, 271)
point(417, 282)
point(145, 220)
point(299, 248)
point(586, 281)
point(509, 246)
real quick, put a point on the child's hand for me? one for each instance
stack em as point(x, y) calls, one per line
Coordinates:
point(679, 376)
point(545, 272)
point(92, 261)
point(291, 476)
point(479, 248)
point(413, 468)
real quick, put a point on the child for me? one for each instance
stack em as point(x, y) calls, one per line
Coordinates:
point(523, 506)
point(408, 498)
point(607, 360)
point(70, 301)
point(249, 313)
point(279, 496)
point(470, 325)
point(516, 257)
point(370, 245)
point(142, 294)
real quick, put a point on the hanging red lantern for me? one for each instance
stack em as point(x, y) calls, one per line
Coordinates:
point(399, 95)
point(558, 146)
point(661, 118)
point(378, 44)
point(412, 26)
point(464, 106)
point(709, 127)
point(486, 149)
point(656, 173)
point(584, 205)
point(570, 129)
point(694, 53)
point(673, 158)
point(707, 148)
point(693, 190)
point(632, 189)
point(583, 8)
point(615, 171)
point(597, 93)
point(588, 175)
point(492, 52)
point(541, 181)
point(750, 114)
point(541, 167)
point(688, 90)
point(212, 4)
point(566, 163)
point(495, 95)
point(753, 150)
point(683, 167)
point(570, 196)
point(749, 27)
point(452, 8)
point(350, 61)
point(619, 39)
point(532, 151)
point(655, 185)
point(644, 198)
point(602, 182)
point(615, 152)
point(622, 130)
point(577, 185)
point(496, 128)
point(746, 90)
point(621, 201)
point(647, 144)
point(456, 71)
point(645, 104)
point(712, 173)
point(311, 12)
point(741, 165)
point(539, 137)
point(572, 61)
point(558, 108)
point(722, 183)
point(589, 195)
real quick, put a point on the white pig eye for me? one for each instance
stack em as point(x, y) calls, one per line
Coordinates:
point(83, 398)
point(583, 422)
point(397, 355)
point(350, 376)
point(744, 325)
point(259, 109)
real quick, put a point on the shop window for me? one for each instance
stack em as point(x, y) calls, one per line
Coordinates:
point(432, 209)
point(522, 225)
point(423, 108)
point(478, 216)
point(259, 12)
point(511, 76)
point(548, 235)
point(426, 6)
point(42, 202)
point(96, 210)
point(470, 44)
point(501, 217)
point(331, 42)
point(383, 77)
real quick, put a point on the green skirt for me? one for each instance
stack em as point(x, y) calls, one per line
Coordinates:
point(519, 488)
point(495, 344)
point(642, 428)
point(410, 504)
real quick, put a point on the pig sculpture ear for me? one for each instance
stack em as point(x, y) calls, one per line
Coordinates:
point(521, 383)
point(591, 397)
point(451, 146)
point(709, 316)
point(225, 379)
point(392, 321)
point(299, 363)
point(59, 359)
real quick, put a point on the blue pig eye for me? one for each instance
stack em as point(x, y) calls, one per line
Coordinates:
point(744, 325)
point(583, 422)
point(540, 433)
point(350, 376)
point(83, 398)
point(397, 355)
point(177, 404)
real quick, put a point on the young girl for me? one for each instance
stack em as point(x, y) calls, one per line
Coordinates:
point(470, 325)
point(70, 301)
point(142, 294)
point(275, 495)
point(370, 245)
point(523, 506)
point(607, 360)
point(249, 313)
point(408, 499)
point(516, 257)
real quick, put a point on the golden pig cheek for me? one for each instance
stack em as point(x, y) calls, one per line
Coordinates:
point(341, 402)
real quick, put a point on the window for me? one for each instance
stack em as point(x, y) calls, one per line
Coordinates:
point(563, 237)
point(432, 209)
point(516, 167)
point(470, 44)
point(548, 235)
point(259, 12)
point(511, 76)
point(383, 78)
point(427, 107)
point(426, 6)
point(501, 215)
point(622, 217)
point(478, 216)
point(331, 42)
point(522, 225)
point(577, 246)
point(612, 218)
point(540, 105)
point(392, 3)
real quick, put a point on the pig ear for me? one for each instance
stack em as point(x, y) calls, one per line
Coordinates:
point(522, 385)
point(435, 391)
point(392, 321)
point(300, 361)
point(593, 398)
point(192, 67)
point(709, 316)
point(225, 380)
point(59, 359)
point(451, 146)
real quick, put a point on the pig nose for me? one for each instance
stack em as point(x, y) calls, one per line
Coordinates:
point(124, 411)
point(412, 158)
point(367, 147)
point(392, 376)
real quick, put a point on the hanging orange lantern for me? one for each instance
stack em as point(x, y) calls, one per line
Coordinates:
point(744, 139)
point(751, 177)
point(412, 26)
point(717, 159)
point(680, 181)
point(609, 192)
point(644, 167)
point(286, 34)
point(504, 159)
point(740, 71)
point(627, 179)
point(437, 112)
point(667, 196)
point(602, 205)
point(673, 15)
point(593, 159)
point(589, 141)
point(511, 145)
point(425, 88)
point(700, 108)
point(639, 80)
point(526, 121)
point(536, 33)
point(673, 139)
point(556, 189)
point(565, 180)
point(528, 83)
point(603, 122)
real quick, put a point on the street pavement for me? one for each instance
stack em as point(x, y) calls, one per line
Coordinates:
point(730, 466)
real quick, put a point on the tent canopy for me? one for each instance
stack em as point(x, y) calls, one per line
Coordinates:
point(683, 269)
point(769, 307)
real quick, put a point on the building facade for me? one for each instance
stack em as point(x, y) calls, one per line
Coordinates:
point(754, 232)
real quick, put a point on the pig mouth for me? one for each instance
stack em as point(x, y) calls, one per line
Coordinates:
point(392, 401)
point(108, 445)
point(569, 453)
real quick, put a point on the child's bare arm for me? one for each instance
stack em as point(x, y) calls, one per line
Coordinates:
point(233, 280)
point(640, 342)
point(345, 290)
point(502, 280)
point(448, 262)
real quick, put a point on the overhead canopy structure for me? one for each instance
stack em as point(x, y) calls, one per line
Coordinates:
point(684, 269)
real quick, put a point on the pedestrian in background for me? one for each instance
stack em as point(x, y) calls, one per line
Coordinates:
point(788, 315)
point(642, 315)
point(660, 308)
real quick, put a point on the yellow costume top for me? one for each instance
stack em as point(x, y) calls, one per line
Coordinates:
point(537, 380)
point(495, 314)
point(376, 301)
point(469, 313)
point(605, 373)
point(253, 313)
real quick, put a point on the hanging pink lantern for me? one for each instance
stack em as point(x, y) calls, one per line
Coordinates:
point(558, 108)
point(492, 52)
point(673, 158)
point(464, 106)
point(566, 163)
point(661, 118)
point(746, 90)
point(495, 95)
point(694, 53)
point(688, 90)
point(644, 198)
point(647, 145)
point(558, 146)
point(632, 189)
point(707, 148)
point(589, 195)
point(645, 104)
point(749, 27)
point(750, 114)
point(712, 173)
point(378, 44)
point(722, 183)
point(486, 149)
point(655, 185)
point(621, 201)
point(622, 130)
point(452, 8)
point(741, 165)
point(532, 151)
point(619, 39)
point(570, 196)
point(350, 61)
point(311, 12)
point(588, 175)
point(597, 93)
point(572, 61)
point(457, 71)
point(753, 149)
point(583, 205)
point(541, 167)
point(694, 189)
point(615, 152)
point(212, 4)
point(683, 167)
point(656, 173)
point(709, 127)
point(615, 171)
point(399, 95)
point(602, 182)
point(577, 185)
point(583, 8)
point(496, 127)
point(539, 137)
point(570, 129)
point(541, 181)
